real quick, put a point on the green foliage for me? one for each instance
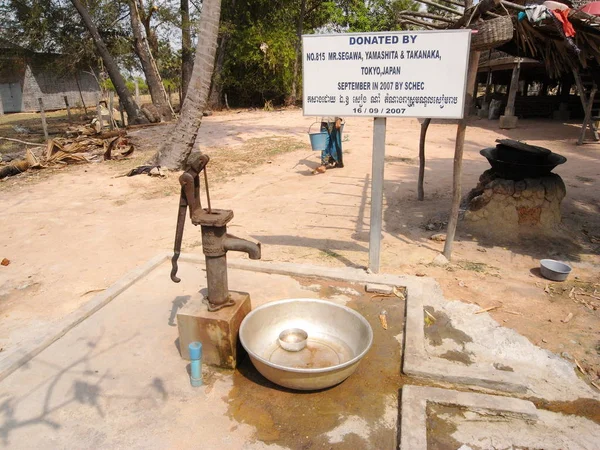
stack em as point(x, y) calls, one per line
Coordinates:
point(52, 26)
point(261, 37)
point(262, 40)
point(142, 86)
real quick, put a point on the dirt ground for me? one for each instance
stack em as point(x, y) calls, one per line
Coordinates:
point(71, 232)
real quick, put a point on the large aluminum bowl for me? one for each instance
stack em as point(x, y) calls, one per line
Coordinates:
point(338, 338)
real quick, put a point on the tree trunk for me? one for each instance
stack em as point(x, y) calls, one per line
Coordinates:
point(155, 86)
point(187, 62)
point(146, 20)
point(291, 100)
point(215, 100)
point(174, 153)
point(133, 111)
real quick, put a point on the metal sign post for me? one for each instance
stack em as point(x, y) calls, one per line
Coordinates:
point(393, 74)
point(378, 161)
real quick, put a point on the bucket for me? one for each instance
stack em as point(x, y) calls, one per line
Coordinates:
point(318, 141)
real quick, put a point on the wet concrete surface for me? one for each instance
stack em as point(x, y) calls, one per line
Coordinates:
point(439, 431)
point(439, 327)
point(306, 420)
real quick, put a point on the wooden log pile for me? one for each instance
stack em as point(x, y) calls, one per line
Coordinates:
point(79, 145)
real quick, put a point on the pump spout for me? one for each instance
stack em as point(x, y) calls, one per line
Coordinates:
point(232, 243)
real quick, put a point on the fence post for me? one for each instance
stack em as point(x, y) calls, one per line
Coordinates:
point(110, 110)
point(137, 91)
point(68, 109)
point(43, 114)
point(99, 112)
point(123, 124)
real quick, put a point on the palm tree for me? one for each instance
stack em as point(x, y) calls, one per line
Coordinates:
point(174, 153)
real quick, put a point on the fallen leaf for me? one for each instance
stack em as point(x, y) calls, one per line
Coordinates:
point(383, 320)
point(430, 315)
point(491, 308)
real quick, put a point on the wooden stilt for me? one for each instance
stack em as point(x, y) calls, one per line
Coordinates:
point(458, 154)
point(514, 87)
point(420, 190)
point(587, 104)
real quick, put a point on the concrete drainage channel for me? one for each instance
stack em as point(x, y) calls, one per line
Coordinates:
point(460, 351)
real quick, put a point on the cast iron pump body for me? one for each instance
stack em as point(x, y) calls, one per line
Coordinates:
point(216, 242)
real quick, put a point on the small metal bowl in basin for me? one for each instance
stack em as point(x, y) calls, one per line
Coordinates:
point(554, 270)
point(338, 338)
point(293, 339)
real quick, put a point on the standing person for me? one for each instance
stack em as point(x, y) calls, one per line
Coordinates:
point(331, 157)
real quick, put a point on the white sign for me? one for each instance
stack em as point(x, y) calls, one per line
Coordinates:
point(395, 74)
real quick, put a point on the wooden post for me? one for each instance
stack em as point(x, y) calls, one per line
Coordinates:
point(514, 87)
point(43, 114)
point(99, 112)
point(420, 190)
point(137, 91)
point(588, 116)
point(488, 87)
point(123, 124)
point(81, 95)
point(111, 97)
point(68, 109)
point(585, 102)
point(458, 154)
point(377, 193)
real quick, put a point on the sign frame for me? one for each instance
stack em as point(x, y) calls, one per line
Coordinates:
point(390, 33)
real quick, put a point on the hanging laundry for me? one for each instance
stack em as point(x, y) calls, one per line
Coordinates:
point(537, 13)
point(563, 17)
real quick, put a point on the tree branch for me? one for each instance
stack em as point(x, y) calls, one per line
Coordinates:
point(442, 7)
point(453, 2)
point(21, 142)
point(198, 8)
point(421, 23)
point(407, 13)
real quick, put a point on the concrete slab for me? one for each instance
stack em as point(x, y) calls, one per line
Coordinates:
point(116, 380)
point(14, 357)
point(440, 418)
point(474, 349)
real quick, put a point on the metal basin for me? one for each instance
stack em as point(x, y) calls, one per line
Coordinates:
point(554, 270)
point(338, 338)
point(512, 170)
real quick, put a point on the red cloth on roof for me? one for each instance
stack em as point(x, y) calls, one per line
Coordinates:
point(563, 17)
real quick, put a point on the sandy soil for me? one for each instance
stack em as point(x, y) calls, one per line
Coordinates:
point(71, 232)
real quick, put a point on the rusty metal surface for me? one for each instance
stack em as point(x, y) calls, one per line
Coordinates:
point(215, 218)
point(218, 331)
point(215, 240)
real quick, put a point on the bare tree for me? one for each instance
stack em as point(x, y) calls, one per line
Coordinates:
point(142, 49)
point(174, 153)
point(133, 110)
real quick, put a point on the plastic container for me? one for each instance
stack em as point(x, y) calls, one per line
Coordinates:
point(554, 270)
point(318, 141)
